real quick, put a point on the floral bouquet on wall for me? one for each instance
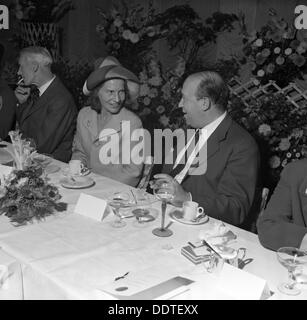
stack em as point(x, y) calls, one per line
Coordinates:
point(277, 52)
point(280, 141)
point(26, 194)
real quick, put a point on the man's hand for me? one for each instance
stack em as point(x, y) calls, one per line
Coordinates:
point(180, 194)
point(22, 93)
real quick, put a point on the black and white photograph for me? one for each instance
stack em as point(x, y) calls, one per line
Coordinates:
point(153, 150)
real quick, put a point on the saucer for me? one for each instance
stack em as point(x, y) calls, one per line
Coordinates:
point(77, 182)
point(177, 215)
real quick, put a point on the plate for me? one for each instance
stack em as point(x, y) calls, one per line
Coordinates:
point(77, 182)
point(177, 215)
point(142, 198)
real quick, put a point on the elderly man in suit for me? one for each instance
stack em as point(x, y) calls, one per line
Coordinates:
point(284, 221)
point(226, 188)
point(49, 116)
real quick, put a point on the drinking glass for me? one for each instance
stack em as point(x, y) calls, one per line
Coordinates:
point(117, 201)
point(291, 258)
point(164, 191)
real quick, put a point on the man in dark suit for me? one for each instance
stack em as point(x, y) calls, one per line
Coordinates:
point(49, 117)
point(7, 104)
point(284, 221)
point(225, 185)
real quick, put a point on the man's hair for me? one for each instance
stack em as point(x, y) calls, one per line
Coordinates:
point(38, 54)
point(212, 85)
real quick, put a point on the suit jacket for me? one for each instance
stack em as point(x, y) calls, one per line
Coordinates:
point(90, 152)
point(284, 221)
point(227, 189)
point(8, 103)
point(51, 121)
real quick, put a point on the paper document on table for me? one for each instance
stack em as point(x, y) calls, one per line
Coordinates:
point(91, 207)
point(144, 285)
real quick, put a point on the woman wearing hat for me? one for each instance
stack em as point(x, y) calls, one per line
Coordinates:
point(102, 137)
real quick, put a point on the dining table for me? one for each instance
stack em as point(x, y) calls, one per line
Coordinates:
point(72, 256)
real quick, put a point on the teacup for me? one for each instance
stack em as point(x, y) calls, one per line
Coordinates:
point(191, 210)
point(76, 167)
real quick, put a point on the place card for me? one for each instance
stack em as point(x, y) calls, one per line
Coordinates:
point(91, 207)
point(242, 285)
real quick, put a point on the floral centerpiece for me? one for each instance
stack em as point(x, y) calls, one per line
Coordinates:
point(130, 34)
point(277, 52)
point(41, 10)
point(279, 128)
point(26, 193)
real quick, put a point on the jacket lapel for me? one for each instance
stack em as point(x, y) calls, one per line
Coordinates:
point(42, 100)
point(213, 144)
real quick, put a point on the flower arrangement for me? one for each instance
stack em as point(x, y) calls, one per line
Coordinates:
point(130, 34)
point(41, 10)
point(26, 194)
point(277, 52)
point(23, 151)
point(280, 141)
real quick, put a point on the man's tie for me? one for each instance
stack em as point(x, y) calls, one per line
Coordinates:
point(180, 166)
point(34, 95)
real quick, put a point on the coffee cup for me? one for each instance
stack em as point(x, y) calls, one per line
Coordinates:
point(191, 210)
point(76, 167)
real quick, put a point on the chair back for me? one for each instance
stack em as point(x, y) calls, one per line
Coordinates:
point(264, 198)
point(148, 166)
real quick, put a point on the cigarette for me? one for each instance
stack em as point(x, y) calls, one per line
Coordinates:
point(20, 80)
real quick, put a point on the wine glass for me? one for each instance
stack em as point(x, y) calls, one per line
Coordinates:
point(165, 191)
point(117, 201)
point(291, 258)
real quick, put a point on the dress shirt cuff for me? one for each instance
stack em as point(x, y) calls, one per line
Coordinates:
point(303, 245)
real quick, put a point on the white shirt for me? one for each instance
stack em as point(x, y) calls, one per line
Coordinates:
point(45, 86)
point(204, 135)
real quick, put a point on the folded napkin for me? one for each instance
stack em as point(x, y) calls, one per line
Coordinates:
point(220, 238)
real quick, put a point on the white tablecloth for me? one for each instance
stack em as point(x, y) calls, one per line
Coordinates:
point(69, 256)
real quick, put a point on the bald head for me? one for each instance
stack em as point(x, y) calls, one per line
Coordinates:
point(211, 85)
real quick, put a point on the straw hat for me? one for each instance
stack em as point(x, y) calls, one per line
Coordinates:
point(109, 68)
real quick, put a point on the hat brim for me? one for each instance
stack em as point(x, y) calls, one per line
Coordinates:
point(103, 74)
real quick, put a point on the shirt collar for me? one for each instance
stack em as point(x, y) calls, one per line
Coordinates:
point(211, 127)
point(45, 86)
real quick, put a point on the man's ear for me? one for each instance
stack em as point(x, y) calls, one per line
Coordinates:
point(205, 104)
point(35, 66)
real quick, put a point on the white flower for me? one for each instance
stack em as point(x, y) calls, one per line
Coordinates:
point(258, 42)
point(160, 109)
point(164, 120)
point(274, 162)
point(277, 50)
point(264, 129)
point(134, 38)
point(146, 101)
point(288, 51)
point(126, 34)
point(155, 81)
point(284, 144)
point(284, 163)
point(144, 89)
point(260, 73)
point(22, 182)
point(118, 22)
point(256, 82)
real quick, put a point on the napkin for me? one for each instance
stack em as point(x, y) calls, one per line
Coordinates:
point(219, 237)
